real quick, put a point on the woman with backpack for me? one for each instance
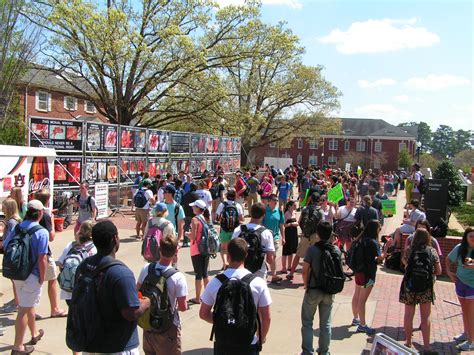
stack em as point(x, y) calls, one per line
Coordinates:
point(418, 285)
point(462, 256)
point(365, 255)
point(200, 262)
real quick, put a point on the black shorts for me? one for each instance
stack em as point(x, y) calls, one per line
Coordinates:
point(252, 351)
point(200, 266)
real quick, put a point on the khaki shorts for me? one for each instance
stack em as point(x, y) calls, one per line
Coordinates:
point(168, 343)
point(276, 244)
point(141, 215)
point(304, 245)
point(52, 271)
point(28, 292)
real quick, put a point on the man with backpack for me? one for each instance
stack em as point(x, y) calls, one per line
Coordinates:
point(366, 212)
point(241, 301)
point(323, 278)
point(175, 211)
point(143, 200)
point(135, 187)
point(418, 182)
point(230, 215)
point(259, 240)
point(309, 220)
point(161, 281)
point(217, 193)
point(104, 307)
point(86, 206)
point(24, 261)
point(275, 221)
point(254, 185)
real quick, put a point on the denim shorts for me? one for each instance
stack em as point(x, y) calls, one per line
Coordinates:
point(362, 280)
point(464, 291)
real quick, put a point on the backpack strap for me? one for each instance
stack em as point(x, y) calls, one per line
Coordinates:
point(34, 229)
point(176, 213)
point(104, 266)
point(89, 203)
point(222, 278)
point(248, 278)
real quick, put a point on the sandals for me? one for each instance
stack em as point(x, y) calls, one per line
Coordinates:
point(59, 315)
point(35, 340)
point(28, 350)
point(193, 301)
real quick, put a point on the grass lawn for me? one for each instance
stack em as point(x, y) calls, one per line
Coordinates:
point(464, 214)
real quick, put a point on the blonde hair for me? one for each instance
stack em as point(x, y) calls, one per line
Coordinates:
point(85, 232)
point(17, 195)
point(10, 209)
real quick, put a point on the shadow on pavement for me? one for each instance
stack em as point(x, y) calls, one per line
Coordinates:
point(338, 333)
point(201, 351)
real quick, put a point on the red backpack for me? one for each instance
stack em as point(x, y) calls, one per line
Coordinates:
point(151, 242)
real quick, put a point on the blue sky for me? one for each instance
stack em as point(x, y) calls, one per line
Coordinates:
point(395, 60)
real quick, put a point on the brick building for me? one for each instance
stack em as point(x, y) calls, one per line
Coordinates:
point(44, 94)
point(370, 143)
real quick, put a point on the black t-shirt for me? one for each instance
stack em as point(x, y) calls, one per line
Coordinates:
point(188, 198)
point(116, 291)
point(365, 214)
point(371, 251)
point(46, 222)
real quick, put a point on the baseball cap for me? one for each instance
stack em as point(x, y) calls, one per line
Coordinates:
point(161, 207)
point(198, 203)
point(170, 189)
point(35, 205)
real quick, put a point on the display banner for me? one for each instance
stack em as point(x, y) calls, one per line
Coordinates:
point(157, 166)
point(180, 142)
point(63, 165)
point(101, 137)
point(102, 199)
point(198, 143)
point(158, 142)
point(57, 134)
point(130, 168)
point(178, 165)
point(132, 139)
point(101, 169)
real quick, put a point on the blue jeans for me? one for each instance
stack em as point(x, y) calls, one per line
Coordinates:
point(312, 300)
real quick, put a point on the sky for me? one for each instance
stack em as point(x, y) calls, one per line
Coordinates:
point(399, 60)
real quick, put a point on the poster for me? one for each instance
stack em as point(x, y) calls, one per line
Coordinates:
point(236, 145)
point(57, 134)
point(178, 165)
point(180, 142)
point(158, 141)
point(101, 137)
point(132, 139)
point(335, 194)
point(102, 199)
point(130, 168)
point(384, 345)
point(67, 171)
point(198, 143)
point(389, 207)
point(157, 166)
point(101, 169)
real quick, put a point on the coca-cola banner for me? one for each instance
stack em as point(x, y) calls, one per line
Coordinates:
point(132, 139)
point(101, 137)
point(180, 142)
point(198, 143)
point(158, 141)
point(67, 171)
point(130, 167)
point(57, 134)
point(157, 166)
point(101, 170)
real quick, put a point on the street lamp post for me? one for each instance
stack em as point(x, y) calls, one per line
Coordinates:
point(222, 123)
point(418, 150)
point(322, 160)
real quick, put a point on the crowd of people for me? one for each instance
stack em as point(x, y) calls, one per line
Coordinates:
point(174, 212)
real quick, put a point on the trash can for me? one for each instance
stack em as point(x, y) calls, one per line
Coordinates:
point(58, 224)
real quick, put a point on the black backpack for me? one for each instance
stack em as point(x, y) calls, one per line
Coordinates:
point(440, 229)
point(255, 254)
point(159, 317)
point(235, 315)
point(310, 220)
point(89, 203)
point(18, 259)
point(419, 272)
point(214, 190)
point(84, 319)
point(229, 217)
point(330, 278)
point(421, 184)
point(140, 200)
point(355, 256)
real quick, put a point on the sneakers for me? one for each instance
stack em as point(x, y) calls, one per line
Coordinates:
point(460, 337)
point(365, 329)
point(466, 346)
point(355, 321)
point(289, 276)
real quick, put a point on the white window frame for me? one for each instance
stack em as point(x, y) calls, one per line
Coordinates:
point(94, 110)
point(74, 100)
point(332, 160)
point(272, 145)
point(347, 146)
point(285, 155)
point(378, 147)
point(37, 101)
point(402, 146)
point(359, 145)
point(313, 160)
point(313, 144)
point(300, 143)
point(333, 144)
point(377, 164)
point(299, 159)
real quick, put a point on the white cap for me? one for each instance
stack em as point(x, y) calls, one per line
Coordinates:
point(35, 205)
point(198, 203)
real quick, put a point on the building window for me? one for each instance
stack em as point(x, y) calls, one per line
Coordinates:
point(377, 164)
point(43, 101)
point(89, 106)
point(300, 143)
point(313, 144)
point(272, 145)
point(402, 146)
point(70, 103)
point(332, 160)
point(347, 145)
point(313, 160)
point(360, 146)
point(333, 143)
point(299, 159)
point(285, 155)
point(378, 147)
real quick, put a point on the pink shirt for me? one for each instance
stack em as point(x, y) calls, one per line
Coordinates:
point(195, 243)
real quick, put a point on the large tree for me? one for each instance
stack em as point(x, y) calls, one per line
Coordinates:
point(443, 139)
point(424, 134)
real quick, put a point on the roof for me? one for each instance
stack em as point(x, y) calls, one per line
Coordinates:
point(44, 78)
point(368, 127)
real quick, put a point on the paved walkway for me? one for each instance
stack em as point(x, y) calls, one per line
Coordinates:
point(384, 312)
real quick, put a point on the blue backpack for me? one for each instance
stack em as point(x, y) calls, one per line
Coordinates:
point(209, 244)
point(140, 199)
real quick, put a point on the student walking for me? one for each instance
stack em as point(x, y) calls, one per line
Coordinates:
point(291, 236)
point(86, 206)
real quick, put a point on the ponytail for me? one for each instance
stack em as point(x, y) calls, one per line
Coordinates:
point(206, 214)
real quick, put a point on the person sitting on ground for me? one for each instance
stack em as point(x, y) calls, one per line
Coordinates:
point(423, 224)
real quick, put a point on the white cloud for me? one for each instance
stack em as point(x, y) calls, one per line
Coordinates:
point(383, 111)
point(364, 84)
point(401, 98)
point(380, 36)
point(434, 82)
point(469, 108)
point(294, 4)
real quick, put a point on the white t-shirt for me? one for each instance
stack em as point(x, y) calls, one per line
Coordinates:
point(267, 241)
point(176, 284)
point(206, 196)
point(260, 292)
point(158, 221)
point(238, 206)
point(345, 215)
point(64, 295)
point(416, 177)
point(160, 195)
point(148, 195)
